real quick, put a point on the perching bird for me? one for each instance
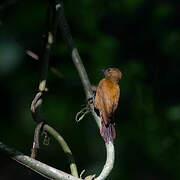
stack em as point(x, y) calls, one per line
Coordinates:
point(106, 102)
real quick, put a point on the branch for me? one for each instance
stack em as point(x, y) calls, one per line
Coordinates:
point(37, 166)
point(87, 87)
point(109, 162)
point(65, 148)
point(49, 38)
point(36, 140)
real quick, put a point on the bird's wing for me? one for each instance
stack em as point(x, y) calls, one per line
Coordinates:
point(115, 97)
point(99, 102)
point(111, 97)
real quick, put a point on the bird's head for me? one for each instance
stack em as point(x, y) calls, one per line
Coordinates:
point(113, 74)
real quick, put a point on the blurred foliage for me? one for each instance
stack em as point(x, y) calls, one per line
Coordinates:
point(142, 39)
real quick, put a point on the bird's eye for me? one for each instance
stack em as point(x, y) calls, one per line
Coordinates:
point(109, 69)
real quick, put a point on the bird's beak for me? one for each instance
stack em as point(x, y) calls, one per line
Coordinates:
point(103, 70)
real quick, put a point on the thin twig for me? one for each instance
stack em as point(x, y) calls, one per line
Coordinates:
point(35, 106)
point(32, 55)
point(37, 166)
point(87, 87)
point(65, 148)
point(36, 140)
point(53, 69)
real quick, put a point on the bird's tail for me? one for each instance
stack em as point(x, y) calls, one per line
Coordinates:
point(108, 132)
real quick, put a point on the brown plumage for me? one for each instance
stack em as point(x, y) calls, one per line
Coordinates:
point(106, 102)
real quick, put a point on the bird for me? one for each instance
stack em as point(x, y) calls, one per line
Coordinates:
point(106, 102)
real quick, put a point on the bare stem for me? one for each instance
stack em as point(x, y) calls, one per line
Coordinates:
point(109, 146)
point(82, 73)
point(65, 148)
point(36, 140)
point(37, 166)
point(109, 162)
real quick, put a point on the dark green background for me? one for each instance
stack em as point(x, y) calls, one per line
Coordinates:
point(142, 39)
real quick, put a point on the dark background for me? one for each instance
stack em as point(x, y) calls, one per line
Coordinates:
point(142, 39)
